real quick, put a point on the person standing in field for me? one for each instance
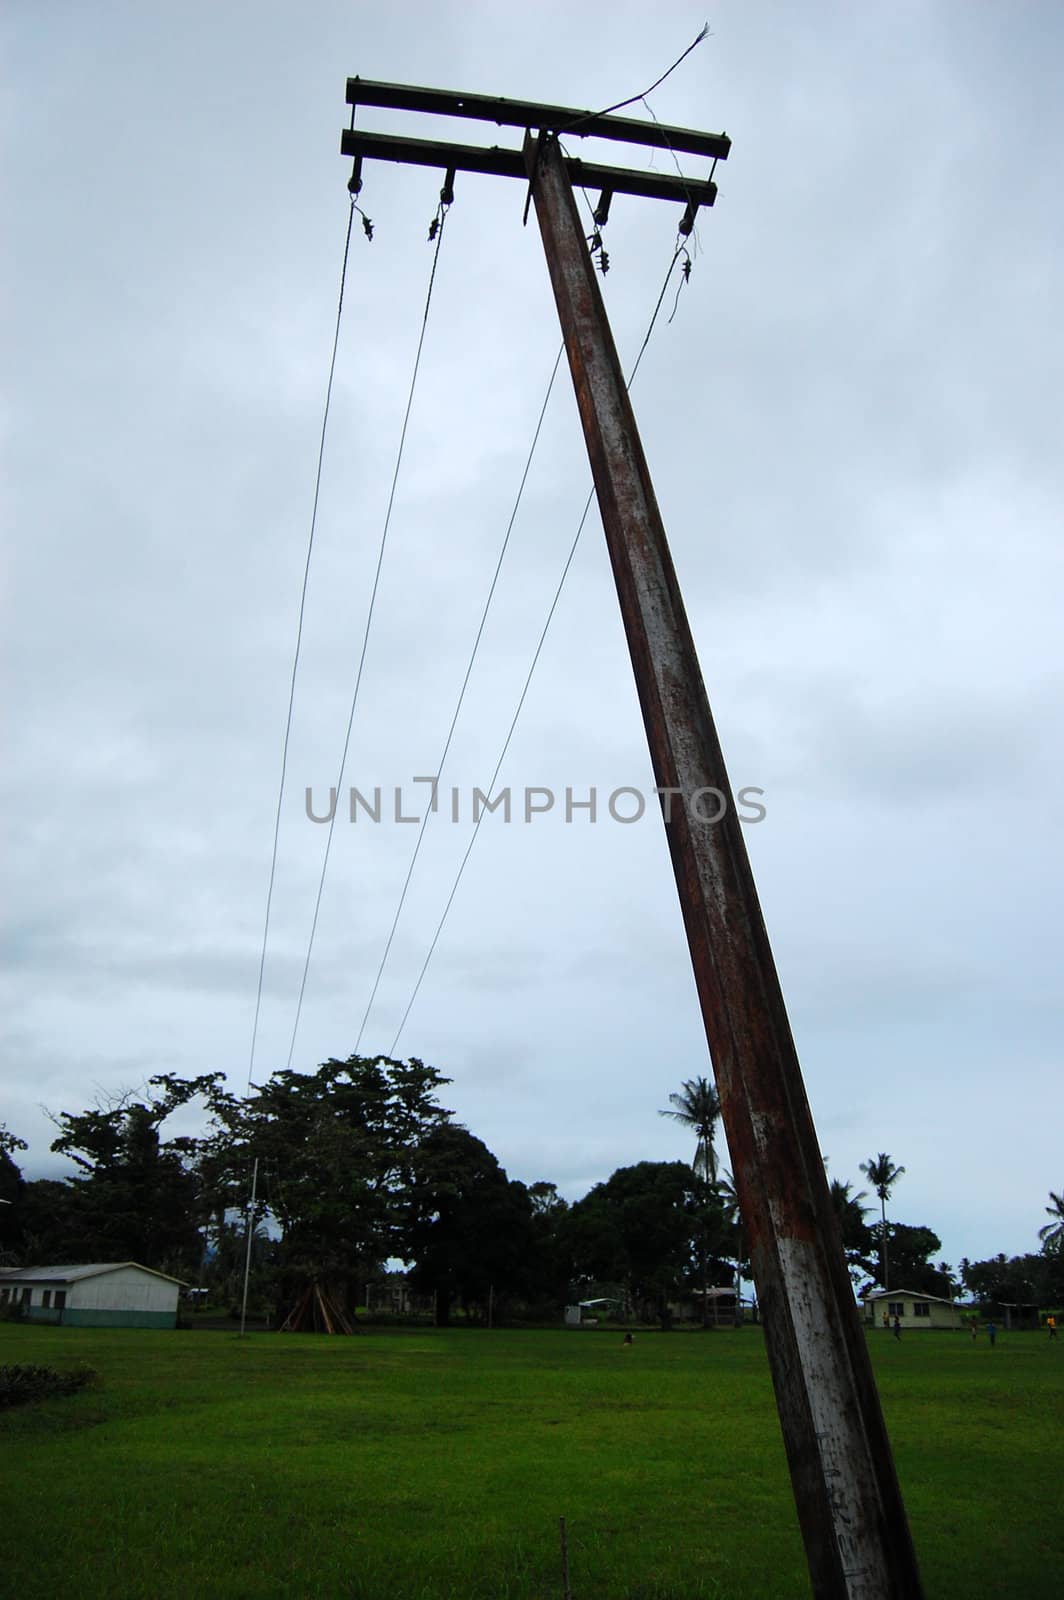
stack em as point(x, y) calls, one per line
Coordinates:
point(897, 1326)
point(991, 1333)
point(1051, 1324)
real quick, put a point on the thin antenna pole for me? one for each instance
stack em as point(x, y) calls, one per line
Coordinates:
point(247, 1258)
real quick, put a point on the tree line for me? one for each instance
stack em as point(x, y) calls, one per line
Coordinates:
point(360, 1166)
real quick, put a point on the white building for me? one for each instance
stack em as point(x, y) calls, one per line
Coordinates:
point(103, 1294)
point(911, 1309)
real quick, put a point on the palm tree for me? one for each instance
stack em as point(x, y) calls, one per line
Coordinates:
point(697, 1106)
point(1052, 1235)
point(850, 1211)
point(882, 1174)
point(847, 1207)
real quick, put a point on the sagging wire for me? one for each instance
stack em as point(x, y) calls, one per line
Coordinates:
point(461, 694)
point(527, 683)
point(299, 641)
point(436, 236)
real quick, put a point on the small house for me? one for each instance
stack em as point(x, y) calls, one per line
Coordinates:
point(721, 1307)
point(912, 1310)
point(586, 1313)
point(103, 1294)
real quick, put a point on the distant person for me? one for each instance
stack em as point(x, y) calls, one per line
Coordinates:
point(991, 1332)
point(1051, 1324)
point(897, 1326)
point(627, 1342)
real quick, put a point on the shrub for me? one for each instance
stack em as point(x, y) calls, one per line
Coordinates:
point(20, 1385)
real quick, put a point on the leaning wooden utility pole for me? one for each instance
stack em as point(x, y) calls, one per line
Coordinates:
point(849, 1504)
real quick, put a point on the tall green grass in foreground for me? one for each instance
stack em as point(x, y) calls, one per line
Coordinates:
point(435, 1466)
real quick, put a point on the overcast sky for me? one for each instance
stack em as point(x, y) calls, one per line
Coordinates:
point(853, 426)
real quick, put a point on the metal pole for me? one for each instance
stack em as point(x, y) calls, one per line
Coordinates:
point(247, 1258)
point(849, 1505)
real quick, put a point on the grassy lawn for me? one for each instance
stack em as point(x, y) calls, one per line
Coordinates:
point(435, 1465)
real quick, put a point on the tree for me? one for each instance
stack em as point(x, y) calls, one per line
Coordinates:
point(697, 1107)
point(639, 1229)
point(911, 1249)
point(336, 1150)
point(11, 1192)
point(136, 1195)
point(1052, 1235)
point(468, 1231)
point(45, 1218)
point(1017, 1280)
point(882, 1174)
point(550, 1267)
point(857, 1237)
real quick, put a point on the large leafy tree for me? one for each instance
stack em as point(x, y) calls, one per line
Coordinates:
point(11, 1192)
point(337, 1149)
point(697, 1107)
point(550, 1266)
point(136, 1194)
point(1052, 1235)
point(47, 1226)
point(639, 1229)
point(468, 1231)
point(882, 1174)
point(1017, 1280)
point(911, 1250)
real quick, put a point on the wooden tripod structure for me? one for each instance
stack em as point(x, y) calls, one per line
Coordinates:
point(316, 1312)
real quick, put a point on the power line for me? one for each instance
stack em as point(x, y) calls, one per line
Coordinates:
point(441, 216)
point(528, 681)
point(299, 641)
point(591, 116)
point(461, 694)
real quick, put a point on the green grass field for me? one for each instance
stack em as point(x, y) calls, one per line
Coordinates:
point(435, 1465)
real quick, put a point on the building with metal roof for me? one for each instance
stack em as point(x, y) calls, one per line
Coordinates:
point(913, 1310)
point(95, 1294)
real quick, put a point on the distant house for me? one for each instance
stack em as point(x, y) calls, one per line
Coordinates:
point(102, 1294)
point(912, 1310)
point(586, 1313)
point(722, 1308)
